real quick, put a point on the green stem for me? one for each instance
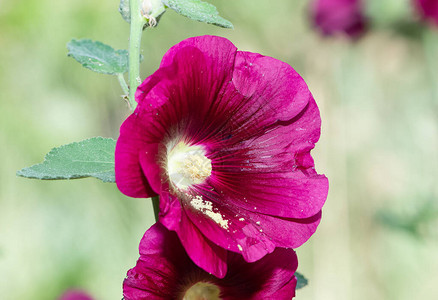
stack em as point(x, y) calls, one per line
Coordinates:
point(123, 84)
point(137, 23)
point(156, 205)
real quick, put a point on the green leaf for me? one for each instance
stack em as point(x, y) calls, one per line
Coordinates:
point(98, 57)
point(199, 11)
point(88, 158)
point(125, 10)
point(301, 280)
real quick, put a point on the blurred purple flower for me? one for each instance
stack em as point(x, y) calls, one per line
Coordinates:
point(428, 9)
point(164, 271)
point(224, 137)
point(333, 17)
point(75, 294)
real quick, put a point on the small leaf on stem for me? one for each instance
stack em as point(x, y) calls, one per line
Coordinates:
point(98, 57)
point(125, 11)
point(301, 280)
point(93, 157)
point(199, 11)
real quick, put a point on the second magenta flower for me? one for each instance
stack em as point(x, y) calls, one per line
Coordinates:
point(333, 17)
point(164, 271)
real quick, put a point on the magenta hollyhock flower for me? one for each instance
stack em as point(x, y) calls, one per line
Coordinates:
point(224, 137)
point(339, 16)
point(428, 9)
point(165, 271)
point(75, 294)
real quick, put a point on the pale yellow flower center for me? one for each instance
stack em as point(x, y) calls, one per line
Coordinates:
point(202, 291)
point(187, 165)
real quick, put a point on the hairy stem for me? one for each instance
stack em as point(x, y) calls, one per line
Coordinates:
point(137, 23)
point(156, 205)
point(123, 84)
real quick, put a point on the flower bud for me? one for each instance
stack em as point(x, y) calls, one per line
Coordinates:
point(152, 10)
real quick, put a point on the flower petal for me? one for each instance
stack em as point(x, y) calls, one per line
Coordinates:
point(272, 172)
point(272, 277)
point(170, 210)
point(212, 56)
point(157, 268)
point(219, 51)
point(149, 161)
point(164, 271)
point(270, 84)
point(219, 223)
point(204, 253)
point(293, 233)
point(129, 176)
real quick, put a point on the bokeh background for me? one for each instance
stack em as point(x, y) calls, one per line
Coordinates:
point(378, 97)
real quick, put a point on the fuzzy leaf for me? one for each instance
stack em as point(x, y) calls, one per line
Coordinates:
point(301, 280)
point(125, 10)
point(98, 57)
point(199, 11)
point(88, 158)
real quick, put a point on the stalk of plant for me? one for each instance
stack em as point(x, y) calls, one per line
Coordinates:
point(141, 13)
point(136, 30)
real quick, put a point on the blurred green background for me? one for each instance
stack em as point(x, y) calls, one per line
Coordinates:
point(379, 146)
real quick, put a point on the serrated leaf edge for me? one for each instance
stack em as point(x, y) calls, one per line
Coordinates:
point(20, 172)
point(97, 58)
point(227, 25)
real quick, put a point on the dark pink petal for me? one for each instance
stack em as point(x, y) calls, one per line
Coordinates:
point(221, 225)
point(156, 269)
point(204, 253)
point(300, 229)
point(269, 278)
point(164, 271)
point(339, 16)
point(269, 85)
point(130, 178)
point(170, 211)
point(212, 55)
point(288, 195)
point(148, 280)
point(251, 234)
point(274, 173)
point(218, 51)
point(149, 161)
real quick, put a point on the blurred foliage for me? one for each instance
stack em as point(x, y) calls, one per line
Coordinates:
point(378, 98)
point(419, 220)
